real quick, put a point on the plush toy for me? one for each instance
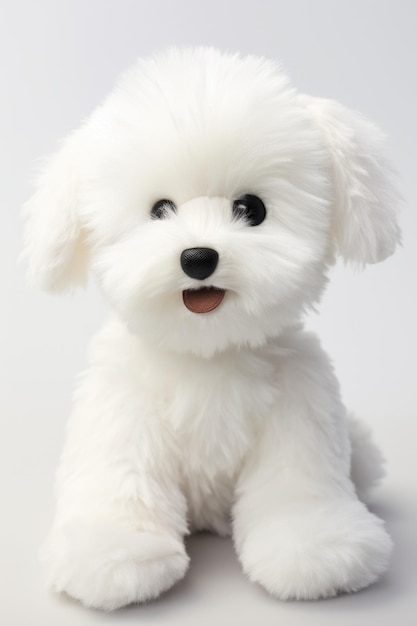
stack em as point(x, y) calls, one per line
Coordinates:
point(209, 200)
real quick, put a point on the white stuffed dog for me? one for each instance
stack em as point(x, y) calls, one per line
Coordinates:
point(209, 199)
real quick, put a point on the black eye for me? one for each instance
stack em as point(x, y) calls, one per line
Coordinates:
point(251, 208)
point(162, 208)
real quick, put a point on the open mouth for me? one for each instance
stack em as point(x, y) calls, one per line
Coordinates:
point(203, 300)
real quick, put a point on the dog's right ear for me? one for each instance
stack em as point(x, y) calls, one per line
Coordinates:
point(54, 243)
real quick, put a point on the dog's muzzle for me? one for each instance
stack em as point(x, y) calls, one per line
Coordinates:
point(200, 263)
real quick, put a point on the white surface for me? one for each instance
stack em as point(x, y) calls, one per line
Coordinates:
point(58, 59)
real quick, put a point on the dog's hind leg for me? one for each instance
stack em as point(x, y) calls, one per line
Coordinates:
point(367, 463)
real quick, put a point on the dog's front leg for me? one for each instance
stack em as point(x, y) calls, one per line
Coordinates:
point(121, 517)
point(299, 529)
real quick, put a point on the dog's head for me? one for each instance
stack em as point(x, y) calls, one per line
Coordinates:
point(209, 199)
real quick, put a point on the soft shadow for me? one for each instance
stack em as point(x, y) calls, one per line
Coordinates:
point(211, 557)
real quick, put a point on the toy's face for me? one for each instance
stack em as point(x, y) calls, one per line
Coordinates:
point(209, 199)
point(211, 216)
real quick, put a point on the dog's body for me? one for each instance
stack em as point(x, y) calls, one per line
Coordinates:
point(208, 406)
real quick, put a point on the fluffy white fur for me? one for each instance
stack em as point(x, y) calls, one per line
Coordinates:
point(230, 420)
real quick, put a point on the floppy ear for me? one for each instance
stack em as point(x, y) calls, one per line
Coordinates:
point(366, 200)
point(54, 243)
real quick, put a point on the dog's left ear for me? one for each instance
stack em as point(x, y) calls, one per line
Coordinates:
point(365, 198)
point(55, 247)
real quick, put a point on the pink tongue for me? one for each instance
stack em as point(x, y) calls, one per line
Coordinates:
point(202, 300)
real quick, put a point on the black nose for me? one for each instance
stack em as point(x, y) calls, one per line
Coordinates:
point(199, 262)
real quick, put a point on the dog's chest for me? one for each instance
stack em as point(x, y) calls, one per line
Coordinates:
point(215, 409)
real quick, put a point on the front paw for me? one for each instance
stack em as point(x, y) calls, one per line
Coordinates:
point(107, 567)
point(317, 551)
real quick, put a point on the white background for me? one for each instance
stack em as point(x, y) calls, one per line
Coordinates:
point(58, 58)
